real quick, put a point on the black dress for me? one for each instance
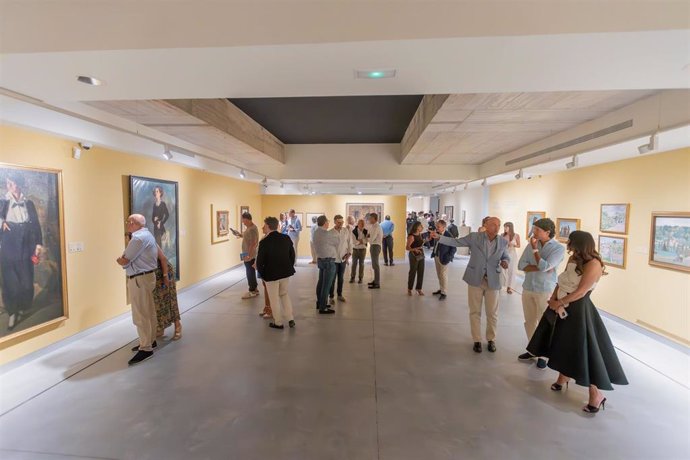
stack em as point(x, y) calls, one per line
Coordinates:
point(579, 345)
point(160, 215)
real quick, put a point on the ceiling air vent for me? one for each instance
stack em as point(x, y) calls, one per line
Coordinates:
point(578, 140)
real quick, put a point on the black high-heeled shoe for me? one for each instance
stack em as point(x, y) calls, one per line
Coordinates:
point(594, 409)
point(558, 386)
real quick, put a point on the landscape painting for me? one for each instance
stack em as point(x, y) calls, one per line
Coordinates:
point(612, 250)
point(614, 218)
point(670, 241)
point(33, 285)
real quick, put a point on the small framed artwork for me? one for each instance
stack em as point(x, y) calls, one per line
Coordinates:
point(564, 227)
point(613, 218)
point(532, 217)
point(240, 224)
point(670, 241)
point(220, 225)
point(612, 250)
point(463, 217)
point(448, 211)
point(363, 210)
point(311, 218)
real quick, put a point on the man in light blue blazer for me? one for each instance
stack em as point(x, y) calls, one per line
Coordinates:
point(488, 253)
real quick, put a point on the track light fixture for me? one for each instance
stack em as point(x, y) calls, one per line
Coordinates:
point(572, 164)
point(646, 148)
point(467, 185)
point(520, 174)
point(166, 153)
point(282, 185)
point(485, 182)
point(242, 174)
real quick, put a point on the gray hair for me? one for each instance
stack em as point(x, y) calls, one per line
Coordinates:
point(138, 219)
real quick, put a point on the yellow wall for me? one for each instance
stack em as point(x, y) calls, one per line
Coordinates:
point(393, 205)
point(651, 296)
point(96, 202)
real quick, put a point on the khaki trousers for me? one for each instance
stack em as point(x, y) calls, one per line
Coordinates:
point(442, 273)
point(475, 296)
point(144, 309)
point(533, 305)
point(280, 300)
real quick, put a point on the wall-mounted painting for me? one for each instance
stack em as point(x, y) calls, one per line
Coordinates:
point(33, 277)
point(670, 240)
point(311, 219)
point(612, 250)
point(613, 218)
point(463, 217)
point(240, 224)
point(363, 210)
point(532, 217)
point(157, 201)
point(448, 211)
point(220, 225)
point(564, 227)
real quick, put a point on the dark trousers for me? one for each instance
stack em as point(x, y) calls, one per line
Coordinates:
point(326, 276)
point(416, 269)
point(251, 275)
point(17, 284)
point(388, 249)
point(340, 277)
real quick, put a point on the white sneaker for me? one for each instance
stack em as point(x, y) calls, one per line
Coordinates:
point(12, 321)
point(250, 294)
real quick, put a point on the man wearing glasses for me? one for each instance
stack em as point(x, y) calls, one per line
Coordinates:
point(140, 260)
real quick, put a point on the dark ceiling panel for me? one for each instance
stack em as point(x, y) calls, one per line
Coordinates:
point(333, 120)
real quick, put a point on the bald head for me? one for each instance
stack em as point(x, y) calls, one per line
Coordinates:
point(137, 221)
point(492, 226)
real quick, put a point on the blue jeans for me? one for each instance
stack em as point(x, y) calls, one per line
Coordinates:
point(251, 275)
point(339, 277)
point(326, 277)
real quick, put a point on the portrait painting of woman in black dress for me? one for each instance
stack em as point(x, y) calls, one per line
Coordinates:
point(156, 200)
point(32, 288)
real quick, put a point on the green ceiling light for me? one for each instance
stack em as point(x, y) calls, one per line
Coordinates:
point(375, 74)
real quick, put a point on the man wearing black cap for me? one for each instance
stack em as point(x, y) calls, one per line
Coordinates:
point(539, 261)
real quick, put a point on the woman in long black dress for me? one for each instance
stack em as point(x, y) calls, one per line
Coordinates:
point(571, 333)
point(416, 258)
point(159, 215)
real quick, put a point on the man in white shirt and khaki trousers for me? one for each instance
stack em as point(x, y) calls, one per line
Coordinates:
point(342, 256)
point(376, 240)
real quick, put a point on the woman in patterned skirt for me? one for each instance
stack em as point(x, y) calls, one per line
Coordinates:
point(165, 297)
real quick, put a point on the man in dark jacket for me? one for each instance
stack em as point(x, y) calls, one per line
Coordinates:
point(442, 255)
point(453, 229)
point(275, 263)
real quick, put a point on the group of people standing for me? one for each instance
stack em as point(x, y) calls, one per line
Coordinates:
point(563, 327)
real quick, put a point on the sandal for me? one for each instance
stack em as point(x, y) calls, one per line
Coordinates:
point(178, 332)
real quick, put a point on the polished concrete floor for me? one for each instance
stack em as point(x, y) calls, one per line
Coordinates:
point(388, 377)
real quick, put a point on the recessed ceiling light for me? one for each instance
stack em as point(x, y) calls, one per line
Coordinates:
point(375, 74)
point(93, 81)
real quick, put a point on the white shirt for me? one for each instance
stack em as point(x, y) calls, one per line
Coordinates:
point(359, 242)
point(17, 211)
point(375, 234)
point(345, 245)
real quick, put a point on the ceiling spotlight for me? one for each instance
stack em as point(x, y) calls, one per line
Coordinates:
point(359, 192)
point(166, 153)
point(572, 164)
point(76, 152)
point(264, 182)
point(391, 187)
point(484, 182)
point(646, 148)
point(242, 174)
point(375, 74)
point(92, 81)
point(520, 174)
point(282, 185)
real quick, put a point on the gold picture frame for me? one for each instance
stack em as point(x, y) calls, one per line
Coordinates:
point(48, 247)
point(565, 226)
point(533, 216)
point(614, 218)
point(672, 249)
point(218, 234)
point(613, 250)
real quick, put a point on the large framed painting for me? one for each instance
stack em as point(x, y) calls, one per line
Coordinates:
point(311, 219)
point(220, 225)
point(240, 224)
point(670, 241)
point(532, 217)
point(613, 218)
point(564, 227)
point(613, 250)
point(448, 211)
point(157, 201)
point(363, 210)
point(33, 277)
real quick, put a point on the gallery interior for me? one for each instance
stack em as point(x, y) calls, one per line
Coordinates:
point(577, 112)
